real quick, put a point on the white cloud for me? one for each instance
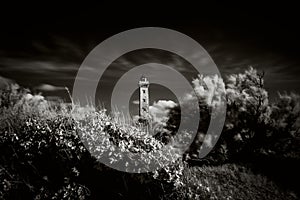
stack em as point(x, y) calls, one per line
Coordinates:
point(160, 110)
point(136, 102)
point(49, 88)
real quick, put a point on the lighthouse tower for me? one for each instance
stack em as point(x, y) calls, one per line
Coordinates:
point(144, 99)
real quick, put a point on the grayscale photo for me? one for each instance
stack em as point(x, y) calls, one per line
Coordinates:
point(105, 103)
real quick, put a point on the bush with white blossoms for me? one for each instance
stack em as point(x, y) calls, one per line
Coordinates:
point(103, 136)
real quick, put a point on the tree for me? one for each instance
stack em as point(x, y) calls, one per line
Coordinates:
point(252, 125)
point(284, 137)
point(248, 111)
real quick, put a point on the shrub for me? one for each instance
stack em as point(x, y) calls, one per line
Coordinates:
point(39, 145)
point(43, 154)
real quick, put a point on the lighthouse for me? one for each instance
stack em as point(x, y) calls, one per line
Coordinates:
point(144, 99)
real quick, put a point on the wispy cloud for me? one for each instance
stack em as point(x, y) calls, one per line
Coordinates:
point(36, 66)
point(4, 82)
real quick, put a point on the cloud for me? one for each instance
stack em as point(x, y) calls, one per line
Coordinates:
point(160, 110)
point(5, 82)
point(42, 67)
point(49, 88)
point(136, 102)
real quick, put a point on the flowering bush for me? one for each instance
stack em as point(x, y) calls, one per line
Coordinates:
point(43, 153)
point(39, 146)
point(106, 138)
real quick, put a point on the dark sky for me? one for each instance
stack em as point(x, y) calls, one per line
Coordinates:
point(47, 45)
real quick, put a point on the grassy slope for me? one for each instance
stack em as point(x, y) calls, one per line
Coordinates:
point(229, 181)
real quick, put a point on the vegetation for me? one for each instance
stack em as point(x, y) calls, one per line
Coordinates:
point(43, 155)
